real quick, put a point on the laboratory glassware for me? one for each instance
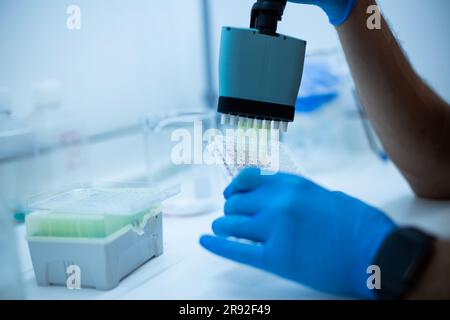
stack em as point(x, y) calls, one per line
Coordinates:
point(60, 150)
point(16, 163)
point(175, 147)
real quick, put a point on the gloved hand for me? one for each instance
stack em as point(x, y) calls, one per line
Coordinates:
point(337, 10)
point(300, 231)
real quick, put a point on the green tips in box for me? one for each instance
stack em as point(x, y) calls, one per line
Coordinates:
point(93, 213)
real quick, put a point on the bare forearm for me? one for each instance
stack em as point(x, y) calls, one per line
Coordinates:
point(435, 282)
point(411, 120)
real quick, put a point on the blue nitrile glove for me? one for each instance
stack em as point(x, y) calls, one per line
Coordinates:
point(337, 11)
point(300, 231)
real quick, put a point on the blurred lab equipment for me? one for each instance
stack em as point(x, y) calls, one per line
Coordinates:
point(16, 148)
point(104, 232)
point(61, 155)
point(165, 136)
point(15, 136)
point(10, 270)
point(260, 70)
point(328, 132)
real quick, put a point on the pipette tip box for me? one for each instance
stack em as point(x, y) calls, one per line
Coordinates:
point(104, 233)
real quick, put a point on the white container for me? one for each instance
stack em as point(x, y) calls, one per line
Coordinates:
point(94, 237)
point(102, 262)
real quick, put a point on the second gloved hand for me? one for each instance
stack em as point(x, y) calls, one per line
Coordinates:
point(338, 11)
point(300, 231)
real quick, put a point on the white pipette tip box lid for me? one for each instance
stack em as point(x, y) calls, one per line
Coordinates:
point(102, 233)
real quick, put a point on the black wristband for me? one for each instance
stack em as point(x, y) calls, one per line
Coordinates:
point(402, 258)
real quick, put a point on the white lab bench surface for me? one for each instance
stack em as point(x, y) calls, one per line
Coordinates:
point(187, 271)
